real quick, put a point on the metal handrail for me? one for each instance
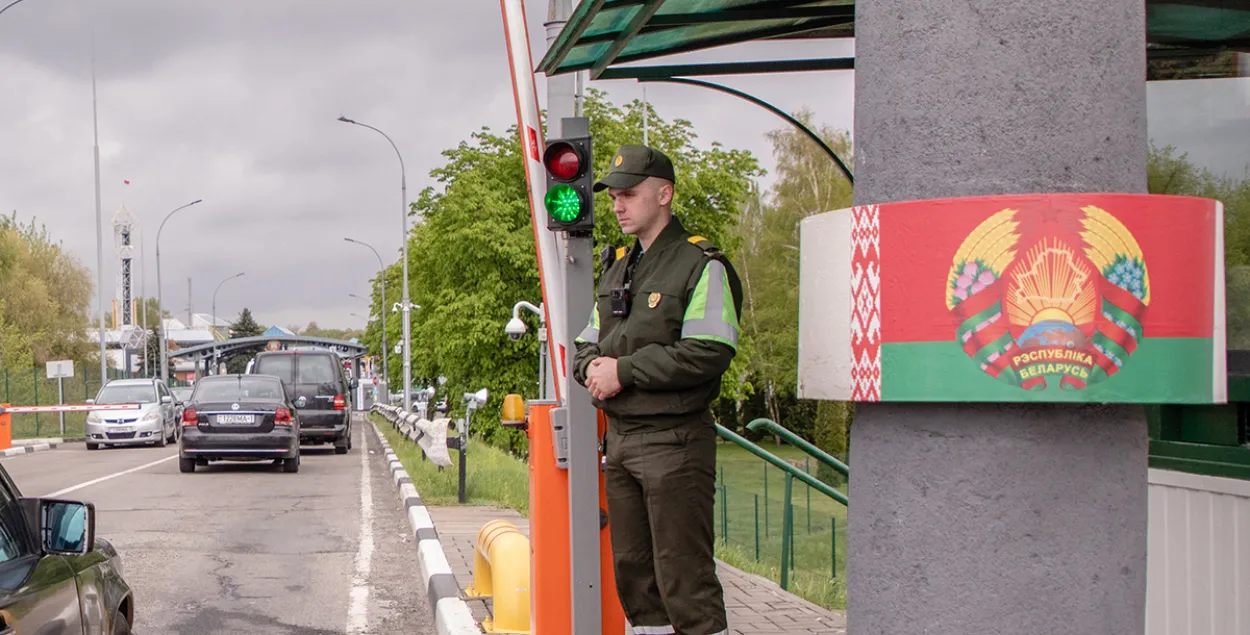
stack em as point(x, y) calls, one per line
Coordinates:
point(781, 464)
point(800, 443)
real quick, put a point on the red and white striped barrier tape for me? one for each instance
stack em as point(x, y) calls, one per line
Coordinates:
point(68, 408)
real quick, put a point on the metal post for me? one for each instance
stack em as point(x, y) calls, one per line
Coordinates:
point(833, 543)
point(406, 302)
point(787, 521)
point(60, 400)
point(464, 442)
point(757, 527)
point(99, 222)
point(766, 534)
point(214, 326)
point(160, 304)
point(386, 351)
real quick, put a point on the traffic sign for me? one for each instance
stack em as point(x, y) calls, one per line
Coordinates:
point(62, 368)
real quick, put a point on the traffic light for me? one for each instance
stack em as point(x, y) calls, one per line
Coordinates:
point(570, 200)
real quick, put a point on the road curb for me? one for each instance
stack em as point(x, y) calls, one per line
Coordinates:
point(28, 448)
point(451, 614)
point(54, 441)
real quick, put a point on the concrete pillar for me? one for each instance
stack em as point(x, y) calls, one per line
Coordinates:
point(980, 519)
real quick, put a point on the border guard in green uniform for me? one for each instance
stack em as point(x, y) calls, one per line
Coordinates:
point(663, 331)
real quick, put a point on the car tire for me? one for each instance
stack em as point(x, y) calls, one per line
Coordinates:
point(93, 446)
point(291, 466)
point(121, 625)
point(164, 440)
point(186, 465)
point(340, 449)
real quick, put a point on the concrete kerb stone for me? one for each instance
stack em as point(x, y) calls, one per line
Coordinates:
point(451, 614)
point(27, 448)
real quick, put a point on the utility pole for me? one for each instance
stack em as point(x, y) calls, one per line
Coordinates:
point(99, 215)
point(583, 455)
point(190, 318)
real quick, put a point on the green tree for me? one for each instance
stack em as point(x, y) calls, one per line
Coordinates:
point(44, 298)
point(244, 326)
point(472, 255)
point(1168, 173)
point(808, 182)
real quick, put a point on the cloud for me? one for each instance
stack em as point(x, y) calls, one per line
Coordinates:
point(235, 102)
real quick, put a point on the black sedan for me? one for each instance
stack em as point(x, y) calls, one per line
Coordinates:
point(239, 418)
point(56, 576)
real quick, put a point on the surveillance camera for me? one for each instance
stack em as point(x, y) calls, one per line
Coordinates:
point(515, 329)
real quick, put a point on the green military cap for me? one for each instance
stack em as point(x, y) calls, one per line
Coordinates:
point(632, 164)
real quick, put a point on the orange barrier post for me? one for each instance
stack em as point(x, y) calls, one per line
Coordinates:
point(550, 568)
point(613, 612)
point(6, 429)
point(551, 592)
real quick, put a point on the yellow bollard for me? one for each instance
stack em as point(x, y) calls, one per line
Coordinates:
point(501, 571)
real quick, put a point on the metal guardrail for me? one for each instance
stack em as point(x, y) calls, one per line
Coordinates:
point(800, 443)
point(791, 472)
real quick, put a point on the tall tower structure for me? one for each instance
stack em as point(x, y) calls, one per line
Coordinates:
point(123, 226)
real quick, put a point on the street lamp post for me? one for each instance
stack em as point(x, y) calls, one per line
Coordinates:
point(160, 303)
point(213, 329)
point(517, 326)
point(407, 304)
point(386, 382)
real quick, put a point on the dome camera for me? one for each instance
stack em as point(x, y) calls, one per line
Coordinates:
point(515, 329)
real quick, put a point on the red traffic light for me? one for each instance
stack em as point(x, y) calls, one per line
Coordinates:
point(562, 161)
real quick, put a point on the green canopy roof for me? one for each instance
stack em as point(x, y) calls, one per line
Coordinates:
point(603, 35)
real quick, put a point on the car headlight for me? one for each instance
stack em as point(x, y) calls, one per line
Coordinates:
point(155, 415)
point(94, 417)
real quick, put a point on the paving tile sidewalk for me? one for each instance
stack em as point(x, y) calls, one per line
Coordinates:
point(755, 605)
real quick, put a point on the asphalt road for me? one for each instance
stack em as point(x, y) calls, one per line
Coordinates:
point(246, 548)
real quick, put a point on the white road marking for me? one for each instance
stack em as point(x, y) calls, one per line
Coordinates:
point(109, 477)
point(358, 607)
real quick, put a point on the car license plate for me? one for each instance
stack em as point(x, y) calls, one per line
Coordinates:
point(235, 419)
point(123, 429)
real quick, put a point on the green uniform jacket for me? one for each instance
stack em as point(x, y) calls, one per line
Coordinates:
point(679, 337)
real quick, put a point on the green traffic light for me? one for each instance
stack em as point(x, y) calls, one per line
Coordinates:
point(564, 204)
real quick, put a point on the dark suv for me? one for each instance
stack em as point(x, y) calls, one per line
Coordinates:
point(321, 392)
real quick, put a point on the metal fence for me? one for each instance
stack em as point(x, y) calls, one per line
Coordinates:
point(31, 387)
point(770, 516)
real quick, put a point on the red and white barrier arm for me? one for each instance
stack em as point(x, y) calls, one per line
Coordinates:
point(68, 408)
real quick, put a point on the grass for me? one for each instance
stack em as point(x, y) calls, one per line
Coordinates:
point(495, 478)
point(492, 478)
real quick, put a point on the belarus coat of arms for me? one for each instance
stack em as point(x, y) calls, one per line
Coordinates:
point(1049, 296)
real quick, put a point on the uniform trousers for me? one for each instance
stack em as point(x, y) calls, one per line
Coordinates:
point(661, 487)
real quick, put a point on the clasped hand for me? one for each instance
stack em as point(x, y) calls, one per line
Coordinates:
point(601, 379)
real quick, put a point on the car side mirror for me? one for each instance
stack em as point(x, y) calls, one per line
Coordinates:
point(61, 527)
point(167, 399)
point(91, 402)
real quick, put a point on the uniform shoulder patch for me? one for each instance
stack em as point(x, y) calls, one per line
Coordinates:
point(708, 247)
point(620, 253)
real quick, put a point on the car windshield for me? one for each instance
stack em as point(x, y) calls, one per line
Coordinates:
point(238, 389)
point(134, 393)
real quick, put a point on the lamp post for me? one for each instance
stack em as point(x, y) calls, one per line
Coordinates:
point(407, 305)
point(160, 303)
point(9, 6)
point(386, 375)
point(516, 328)
point(214, 327)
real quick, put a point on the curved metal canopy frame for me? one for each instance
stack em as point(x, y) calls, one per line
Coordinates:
point(205, 351)
point(767, 106)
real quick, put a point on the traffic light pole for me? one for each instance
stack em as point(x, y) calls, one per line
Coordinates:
point(583, 454)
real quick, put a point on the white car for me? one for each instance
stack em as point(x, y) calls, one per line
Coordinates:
point(156, 422)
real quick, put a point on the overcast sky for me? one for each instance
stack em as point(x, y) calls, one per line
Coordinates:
point(235, 102)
